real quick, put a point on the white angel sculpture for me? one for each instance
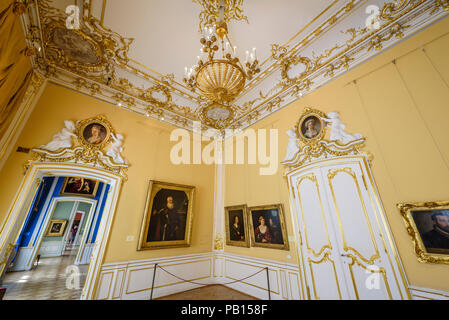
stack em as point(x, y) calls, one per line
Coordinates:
point(292, 147)
point(63, 139)
point(338, 129)
point(115, 149)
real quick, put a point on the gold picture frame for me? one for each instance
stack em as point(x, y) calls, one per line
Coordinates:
point(233, 232)
point(87, 187)
point(167, 223)
point(95, 132)
point(319, 128)
point(419, 217)
point(56, 228)
point(275, 236)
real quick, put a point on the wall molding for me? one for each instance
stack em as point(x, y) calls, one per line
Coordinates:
point(420, 293)
point(26, 107)
point(132, 280)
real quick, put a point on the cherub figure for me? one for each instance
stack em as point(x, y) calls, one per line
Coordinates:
point(292, 147)
point(63, 139)
point(338, 129)
point(116, 148)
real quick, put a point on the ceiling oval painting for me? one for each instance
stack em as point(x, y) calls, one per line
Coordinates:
point(76, 46)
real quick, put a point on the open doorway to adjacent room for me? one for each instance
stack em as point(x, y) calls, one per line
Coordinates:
point(56, 239)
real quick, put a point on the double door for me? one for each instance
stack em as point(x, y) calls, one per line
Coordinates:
point(346, 248)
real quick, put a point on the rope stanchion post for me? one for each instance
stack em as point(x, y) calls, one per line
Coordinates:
point(268, 282)
point(154, 277)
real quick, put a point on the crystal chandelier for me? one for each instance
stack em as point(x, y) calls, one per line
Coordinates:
point(220, 79)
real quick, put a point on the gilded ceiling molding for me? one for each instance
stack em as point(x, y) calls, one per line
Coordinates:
point(94, 59)
point(397, 20)
point(94, 53)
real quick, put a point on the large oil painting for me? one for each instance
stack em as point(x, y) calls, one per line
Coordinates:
point(168, 215)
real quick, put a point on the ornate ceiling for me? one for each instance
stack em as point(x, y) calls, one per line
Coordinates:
point(133, 53)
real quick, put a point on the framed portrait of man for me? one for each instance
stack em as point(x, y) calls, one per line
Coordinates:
point(267, 227)
point(56, 228)
point(168, 215)
point(428, 226)
point(76, 186)
point(237, 226)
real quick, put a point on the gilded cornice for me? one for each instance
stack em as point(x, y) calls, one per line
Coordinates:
point(293, 69)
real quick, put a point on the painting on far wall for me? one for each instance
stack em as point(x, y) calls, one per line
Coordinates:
point(167, 219)
point(428, 225)
point(56, 228)
point(237, 226)
point(267, 227)
point(76, 186)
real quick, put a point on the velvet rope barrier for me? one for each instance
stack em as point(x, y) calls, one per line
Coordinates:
point(206, 284)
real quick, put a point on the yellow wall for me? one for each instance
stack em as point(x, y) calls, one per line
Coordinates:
point(403, 111)
point(147, 148)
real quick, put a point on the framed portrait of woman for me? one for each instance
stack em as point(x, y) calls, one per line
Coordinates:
point(94, 132)
point(237, 226)
point(267, 227)
point(311, 127)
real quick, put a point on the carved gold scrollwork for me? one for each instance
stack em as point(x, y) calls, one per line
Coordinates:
point(288, 63)
point(210, 14)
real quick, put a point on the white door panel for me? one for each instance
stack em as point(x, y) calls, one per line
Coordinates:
point(322, 273)
point(345, 252)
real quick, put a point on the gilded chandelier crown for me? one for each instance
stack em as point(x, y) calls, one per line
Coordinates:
point(220, 80)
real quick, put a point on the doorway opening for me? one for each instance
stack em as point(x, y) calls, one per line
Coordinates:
point(57, 231)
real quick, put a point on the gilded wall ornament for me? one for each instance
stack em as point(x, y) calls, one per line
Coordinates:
point(319, 135)
point(100, 57)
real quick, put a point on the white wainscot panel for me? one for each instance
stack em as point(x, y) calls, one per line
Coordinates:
point(23, 256)
point(134, 280)
point(51, 249)
point(284, 278)
point(419, 293)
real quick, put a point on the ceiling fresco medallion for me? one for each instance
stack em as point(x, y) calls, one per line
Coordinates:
point(217, 115)
point(77, 48)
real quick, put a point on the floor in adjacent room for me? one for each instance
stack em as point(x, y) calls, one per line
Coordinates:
point(47, 281)
point(212, 292)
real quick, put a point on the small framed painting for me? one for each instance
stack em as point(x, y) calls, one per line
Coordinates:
point(95, 132)
point(56, 228)
point(236, 219)
point(267, 227)
point(428, 226)
point(76, 186)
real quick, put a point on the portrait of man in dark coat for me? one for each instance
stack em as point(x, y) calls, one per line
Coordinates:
point(168, 216)
point(438, 237)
